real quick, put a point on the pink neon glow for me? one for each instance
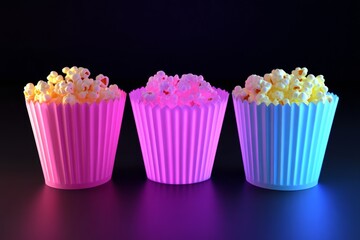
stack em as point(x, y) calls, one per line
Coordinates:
point(189, 90)
point(77, 143)
point(178, 143)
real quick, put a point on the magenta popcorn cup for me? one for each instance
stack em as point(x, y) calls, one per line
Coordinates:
point(77, 143)
point(283, 147)
point(178, 144)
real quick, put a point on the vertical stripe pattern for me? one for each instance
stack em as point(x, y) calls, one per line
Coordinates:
point(77, 143)
point(283, 147)
point(178, 144)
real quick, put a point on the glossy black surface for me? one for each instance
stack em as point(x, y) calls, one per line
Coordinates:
point(130, 207)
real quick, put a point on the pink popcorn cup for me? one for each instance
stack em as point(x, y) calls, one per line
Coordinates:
point(77, 143)
point(283, 147)
point(178, 144)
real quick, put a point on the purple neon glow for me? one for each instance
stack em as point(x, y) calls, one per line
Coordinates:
point(77, 143)
point(178, 144)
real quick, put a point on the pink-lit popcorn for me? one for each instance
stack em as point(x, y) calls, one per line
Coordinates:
point(95, 87)
point(149, 97)
point(81, 96)
point(106, 94)
point(253, 83)
point(279, 87)
point(85, 84)
point(178, 115)
point(115, 90)
point(103, 80)
point(69, 98)
point(92, 95)
point(189, 89)
point(257, 85)
point(243, 93)
point(75, 86)
point(69, 88)
point(84, 73)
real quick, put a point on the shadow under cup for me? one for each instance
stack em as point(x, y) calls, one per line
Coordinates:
point(283, 147)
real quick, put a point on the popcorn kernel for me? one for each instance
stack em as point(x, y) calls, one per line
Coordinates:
point(75, 86)
point(283, 88)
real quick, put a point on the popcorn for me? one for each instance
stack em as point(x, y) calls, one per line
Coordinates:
point(53, 74)
point(115, 90)
point(59, 78)
point(65, 70)
point(74, 69)
point(300, 73)
point(92, 95)
point(95, 86)
point(285, 101)
point(82, 95)
point(43, 97)
point(53, 77)
point(277, 95)
point(84, 73)
point(243, 93)
point(189, 89)
point(29, 91)
point(253, 84)
point(41, 87)
point(60, 87)
point(262, 98)
point(69, 88)
point(104, 81)
point(295, 85)
point(69, 98)
point(85, 84)
point(106, 94)
point(279, 87)
point(75, 87)
point(149, 96)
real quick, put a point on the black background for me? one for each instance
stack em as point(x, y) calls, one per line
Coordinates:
point(225, 41)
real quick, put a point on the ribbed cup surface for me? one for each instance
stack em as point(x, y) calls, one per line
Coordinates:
point(283, 147)
point(77, 143)
point(178, 144)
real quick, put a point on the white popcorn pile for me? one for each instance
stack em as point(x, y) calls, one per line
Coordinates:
point(189, 90)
